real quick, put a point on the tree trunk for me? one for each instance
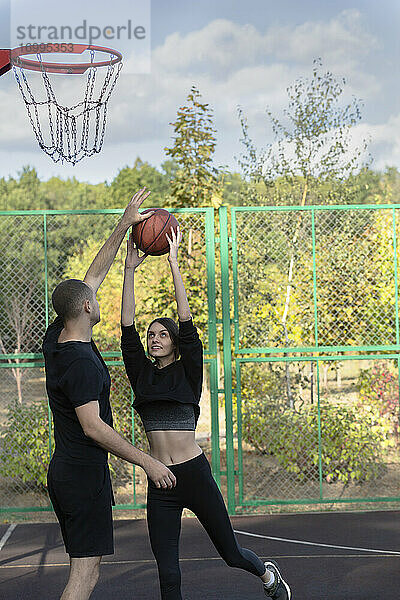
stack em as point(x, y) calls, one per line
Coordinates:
point(325, 369)
point(16, 372)
point(190, 248)
point(338, 377)
point(18, 380)
point(18, 316)
point(288, 294)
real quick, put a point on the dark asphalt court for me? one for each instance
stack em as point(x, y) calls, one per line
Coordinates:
point(34, 566)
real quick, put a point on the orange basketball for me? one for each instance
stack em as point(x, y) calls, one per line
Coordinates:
point(149, 235)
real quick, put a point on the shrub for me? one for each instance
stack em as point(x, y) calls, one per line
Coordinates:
point(24, 443)
point(266, 381)
point(24, 449)
point(121, 403)
point(354, 441)
point(379, 387)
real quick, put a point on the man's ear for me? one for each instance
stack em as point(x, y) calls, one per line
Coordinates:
point(87, 307)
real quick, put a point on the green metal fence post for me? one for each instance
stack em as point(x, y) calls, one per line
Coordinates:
point(210, 261)
point(396, 291)
point(235, 278)
point(319, 436)
point(226, 325)
point(316, 343)
point(314, 278)
point(46, 300)
point(212, 342)
point(215, 447)
point(239, 429)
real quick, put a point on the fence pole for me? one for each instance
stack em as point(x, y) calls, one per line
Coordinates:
point(212, 341)
point(46, 300)
point(226, 326)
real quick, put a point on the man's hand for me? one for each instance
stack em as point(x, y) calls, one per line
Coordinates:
point(104, 258)
point(131, 215)
point(105, 436)
point(133, 260)
point(160, 475)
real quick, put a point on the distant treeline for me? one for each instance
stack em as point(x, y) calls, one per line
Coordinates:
point(28, 192)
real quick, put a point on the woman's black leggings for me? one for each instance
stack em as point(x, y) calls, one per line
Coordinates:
point(196, 490)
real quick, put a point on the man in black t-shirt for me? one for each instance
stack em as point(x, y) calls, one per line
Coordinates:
point(78, 387)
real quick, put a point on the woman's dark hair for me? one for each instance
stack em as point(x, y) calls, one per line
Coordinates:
point(173, 331)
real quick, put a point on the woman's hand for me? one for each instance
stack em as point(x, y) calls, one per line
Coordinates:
point(132, 260)
point(174, 244)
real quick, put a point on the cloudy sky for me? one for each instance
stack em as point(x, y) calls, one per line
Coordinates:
point(236, 53)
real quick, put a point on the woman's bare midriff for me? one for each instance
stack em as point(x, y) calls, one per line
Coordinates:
point(173, 447)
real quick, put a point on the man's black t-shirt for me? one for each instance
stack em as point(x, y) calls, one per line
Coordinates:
point(75, 375)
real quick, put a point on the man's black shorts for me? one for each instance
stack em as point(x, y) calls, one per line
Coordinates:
point(82, 499)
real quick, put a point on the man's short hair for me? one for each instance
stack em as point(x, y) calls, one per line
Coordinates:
point(68, 298)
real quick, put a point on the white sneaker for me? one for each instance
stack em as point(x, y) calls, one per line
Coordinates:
point(279, 590)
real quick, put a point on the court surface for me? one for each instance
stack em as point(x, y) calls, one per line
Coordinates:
point(325, 556)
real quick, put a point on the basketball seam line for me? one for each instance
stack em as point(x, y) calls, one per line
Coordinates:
point(141, 234)
point(154, 241)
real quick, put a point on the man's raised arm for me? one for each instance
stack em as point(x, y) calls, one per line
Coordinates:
point(104, 258)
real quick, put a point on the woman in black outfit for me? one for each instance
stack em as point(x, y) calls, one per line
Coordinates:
point(167, 394)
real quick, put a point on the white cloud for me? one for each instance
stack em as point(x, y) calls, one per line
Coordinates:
point(385, 141)
point(220, 47)
point(231, 64)
point(14, 128)
point(237, 65)
point(223, 47)
point(337, 40)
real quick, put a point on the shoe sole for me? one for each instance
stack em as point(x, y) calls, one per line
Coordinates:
point(286, 586)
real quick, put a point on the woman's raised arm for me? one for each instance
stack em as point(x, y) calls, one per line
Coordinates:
point(132, 261)
point(180, 292)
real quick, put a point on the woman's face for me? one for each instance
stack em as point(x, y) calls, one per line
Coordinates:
point(159, 341)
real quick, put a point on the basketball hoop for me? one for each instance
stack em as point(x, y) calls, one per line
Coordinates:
point(72, 132)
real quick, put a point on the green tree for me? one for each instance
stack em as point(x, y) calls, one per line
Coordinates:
point(170, 168)
point(313, 145)
point(390, 185)
point(313, 150)
point(131, 179)
point(27, 192)
point(196, 182)
point(234, 188)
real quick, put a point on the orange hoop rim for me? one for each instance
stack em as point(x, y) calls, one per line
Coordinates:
point(16, 57)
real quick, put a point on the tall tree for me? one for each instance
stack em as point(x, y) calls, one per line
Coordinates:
point(313, 146)
point(196, 182)
point(313, 149)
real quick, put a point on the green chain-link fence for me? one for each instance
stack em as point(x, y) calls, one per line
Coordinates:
point(301, 396)
point(38, 249)
point(315, 395)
